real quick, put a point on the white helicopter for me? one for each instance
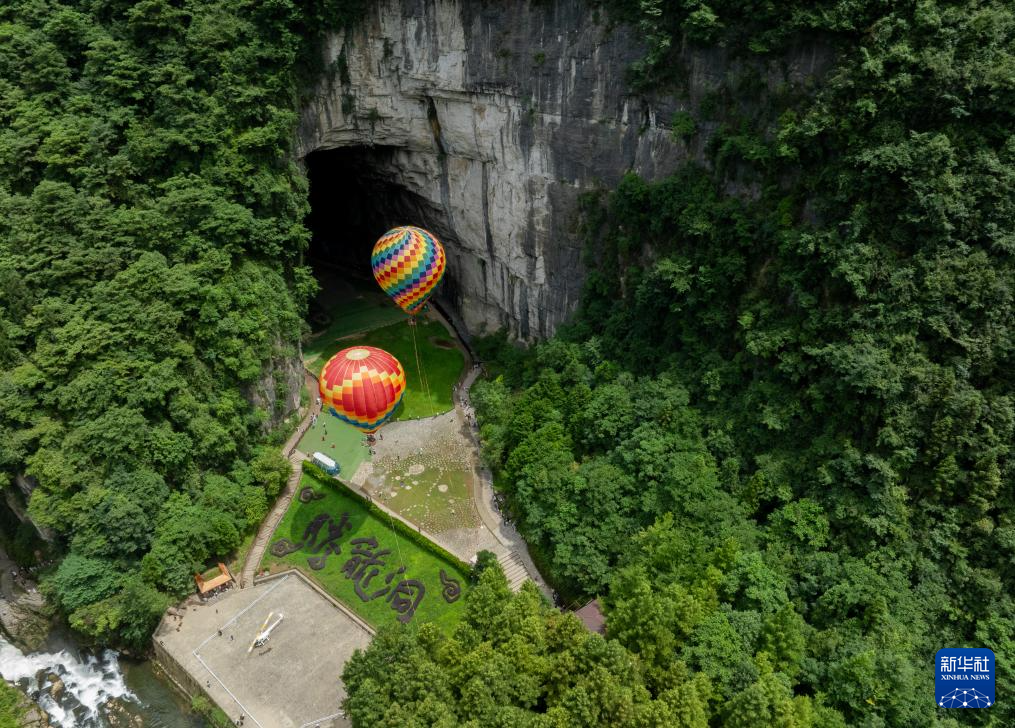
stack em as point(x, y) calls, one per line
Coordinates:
point(265, 634)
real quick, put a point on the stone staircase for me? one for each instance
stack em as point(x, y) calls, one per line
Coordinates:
point(268, 524)
point(514, 570)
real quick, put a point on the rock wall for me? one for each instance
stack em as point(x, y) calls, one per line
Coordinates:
point(277, 391)
point(25, 485)
point(498, 115)
point(22, 608)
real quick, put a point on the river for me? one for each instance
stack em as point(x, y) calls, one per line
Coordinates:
point(100, 688)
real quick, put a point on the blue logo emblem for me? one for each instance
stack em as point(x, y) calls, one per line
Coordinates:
point(964, 677)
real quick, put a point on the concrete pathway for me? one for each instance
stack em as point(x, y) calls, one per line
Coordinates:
point(271, 521)
point(483, 494)
point(494, 534)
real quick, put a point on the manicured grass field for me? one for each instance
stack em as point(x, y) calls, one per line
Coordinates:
point(441, 366)
point(364, 308)
point(362, 314)
point(341, 442)
point(419, 563)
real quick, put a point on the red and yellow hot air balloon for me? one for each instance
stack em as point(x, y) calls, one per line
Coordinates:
point(408, 263)
point(362, 385)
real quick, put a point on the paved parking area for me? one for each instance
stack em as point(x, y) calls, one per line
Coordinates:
point(293, 681)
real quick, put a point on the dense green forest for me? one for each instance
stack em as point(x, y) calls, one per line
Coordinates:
point(151, 226)
point(776, 438)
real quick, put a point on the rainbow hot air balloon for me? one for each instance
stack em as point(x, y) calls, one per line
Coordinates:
point(408, 264)
point(362, 385)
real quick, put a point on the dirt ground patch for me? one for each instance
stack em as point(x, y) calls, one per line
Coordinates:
point(424, 470)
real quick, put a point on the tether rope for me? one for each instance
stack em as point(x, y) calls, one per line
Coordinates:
point(421, 372)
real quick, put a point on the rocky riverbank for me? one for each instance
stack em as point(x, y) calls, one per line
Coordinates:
point(24, 621)
point(24, 618)
point(29, 715)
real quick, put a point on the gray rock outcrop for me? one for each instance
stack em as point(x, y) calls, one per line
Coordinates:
point(496, 116)
point(277, 390)
point(23, 615)
point(25, 485)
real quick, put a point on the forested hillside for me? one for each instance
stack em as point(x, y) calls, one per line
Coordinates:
point(776, 439)
point(150, 237)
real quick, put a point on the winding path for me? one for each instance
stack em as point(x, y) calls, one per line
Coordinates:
point(271, 521)
point(509, 546)
point(516, 562)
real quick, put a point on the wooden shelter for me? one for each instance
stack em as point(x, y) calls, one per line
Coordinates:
point(206, 586)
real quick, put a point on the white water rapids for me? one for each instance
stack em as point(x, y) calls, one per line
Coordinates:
point(88, 682)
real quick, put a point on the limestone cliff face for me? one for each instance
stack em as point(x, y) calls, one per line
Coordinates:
point(496, 116)
point(277, 391)
point(16, 503)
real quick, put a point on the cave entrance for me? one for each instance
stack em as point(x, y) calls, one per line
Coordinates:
point(356, 195)
point(351, 205)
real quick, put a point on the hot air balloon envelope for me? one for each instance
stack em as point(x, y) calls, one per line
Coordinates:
point(362, 385)
point(408, 263)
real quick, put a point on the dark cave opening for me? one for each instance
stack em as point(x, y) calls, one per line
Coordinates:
point(355, 197)
point(349, 210)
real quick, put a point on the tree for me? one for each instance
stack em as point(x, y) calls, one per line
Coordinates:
point(151, 238)
point(80, 581)
point(270, 470)
point(770, 702)
point(513, 661)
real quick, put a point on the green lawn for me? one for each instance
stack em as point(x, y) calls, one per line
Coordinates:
point(419, 563)
point(341, 442)
point(365, 307)
point(360, 313)
point(442, 366)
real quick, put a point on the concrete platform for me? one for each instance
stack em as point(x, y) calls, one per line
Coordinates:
point(291, 682)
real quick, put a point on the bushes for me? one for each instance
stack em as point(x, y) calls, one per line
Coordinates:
point(215, 716)
point(316, 472)
point(484, 560)
point(12, 705)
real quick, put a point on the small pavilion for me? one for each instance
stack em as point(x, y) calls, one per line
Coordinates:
point(206, 586)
